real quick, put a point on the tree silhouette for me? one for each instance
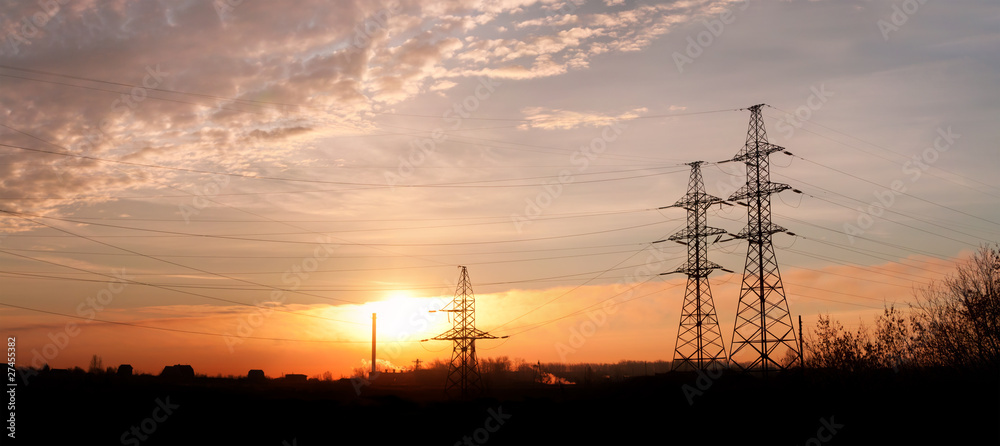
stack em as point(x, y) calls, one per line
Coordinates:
point(834, 347)
point(957, 321)
point(96, 365)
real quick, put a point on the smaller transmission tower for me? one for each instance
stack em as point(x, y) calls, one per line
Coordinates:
point(463, 374)
point(699, 344)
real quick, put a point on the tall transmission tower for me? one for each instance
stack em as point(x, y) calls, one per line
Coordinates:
point(463, 374)
point(699, 344)
point(763, 323)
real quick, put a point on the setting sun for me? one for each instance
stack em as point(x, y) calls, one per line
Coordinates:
point(402, 318)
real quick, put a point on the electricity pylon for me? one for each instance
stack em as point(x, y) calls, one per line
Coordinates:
point(699, 344)
point(763, 322)
point(463, 374)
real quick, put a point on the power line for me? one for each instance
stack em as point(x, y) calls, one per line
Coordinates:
point(907, 157)
point(120, 92)
point(668, 115)
point(504, 218)
point(121, 84)
point(168, 288)
point(529, 327)
point(177, 330)
point(900, 192)
point(525, 147)
point(240, 238)
point(169, 262)
point(211, 199)
point(886, 209)
point(467, 184)
point(573, 289)
point(210, 256)
point(381, 268)
point(838, 301)
point(829, 259)
point(845, 275)
point(859, 250)
point(187, 234)
point(408, 287)
point(840, 292)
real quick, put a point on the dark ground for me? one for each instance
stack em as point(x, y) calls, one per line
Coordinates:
point(908, 407)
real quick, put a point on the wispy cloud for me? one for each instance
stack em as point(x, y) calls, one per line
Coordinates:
point(556, 119)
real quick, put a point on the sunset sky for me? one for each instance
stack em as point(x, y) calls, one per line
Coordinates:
point(259, 177)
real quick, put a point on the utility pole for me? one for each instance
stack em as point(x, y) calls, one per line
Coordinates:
point(416, 364)
point(372, 374)
point(699, 343)
point(763, 323)
point(463, 373)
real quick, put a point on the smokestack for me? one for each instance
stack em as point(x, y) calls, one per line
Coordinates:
point(372, 375)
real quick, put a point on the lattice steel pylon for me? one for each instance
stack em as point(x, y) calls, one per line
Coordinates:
point(699, 344)
point(463, 374)
point(763, 322)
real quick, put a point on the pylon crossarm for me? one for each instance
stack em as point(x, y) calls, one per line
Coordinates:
point(753, 191)
point(689, 233)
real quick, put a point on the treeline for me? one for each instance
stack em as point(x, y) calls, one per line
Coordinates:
point(954, 323)
point(503, 370)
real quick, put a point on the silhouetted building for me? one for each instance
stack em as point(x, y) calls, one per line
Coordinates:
point(178, 372)
point(256, 375)
point(295, 378)
point(125, 370)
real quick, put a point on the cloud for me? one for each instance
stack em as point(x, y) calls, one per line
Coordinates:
point(281, 133)
point(557, 119)
point(442, 85)
point(562, 20)
point(245, 90)
point(592, 34)
point(543, 66)
point(401, 72)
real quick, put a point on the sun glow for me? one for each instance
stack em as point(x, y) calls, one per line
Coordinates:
point(401, 317)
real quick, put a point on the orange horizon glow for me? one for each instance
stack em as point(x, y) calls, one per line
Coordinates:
point(641, 325)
